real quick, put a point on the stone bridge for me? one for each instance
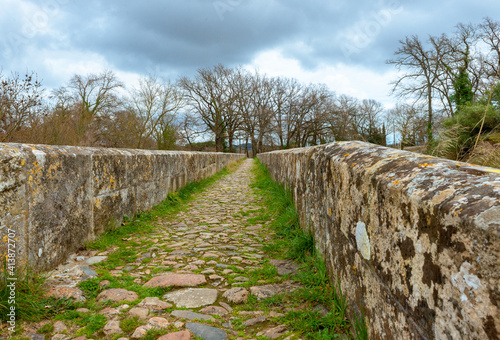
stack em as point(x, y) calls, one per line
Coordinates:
point(412, 239)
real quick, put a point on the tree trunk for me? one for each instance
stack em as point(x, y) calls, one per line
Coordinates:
point(429, 120)
point(219, 144)
point(230, 138)
point(254, 147)
point(246, 146)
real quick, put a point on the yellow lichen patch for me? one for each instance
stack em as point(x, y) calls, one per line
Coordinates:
point(353, 164)
point(458, 212)
point(5, 238)
point(396, 182)
point(425, 164)
point(330, 211)
point(347, 154)
point(52, 170)
point(354, 269)
point(98, 203)
point(23, 162)
point(112, 183)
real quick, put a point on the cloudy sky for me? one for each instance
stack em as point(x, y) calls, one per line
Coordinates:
point(341, 43)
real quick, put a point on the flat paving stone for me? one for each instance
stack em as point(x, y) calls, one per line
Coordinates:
point(236, 295)
point(182, 335)
point(88, 271)
point(176, 280)
point(66, 292)
point(185, 314)
point(192, 297)
point(206, 332)
point(215, 310)
point(154, 304)
point(95, 259)
point(117, 295)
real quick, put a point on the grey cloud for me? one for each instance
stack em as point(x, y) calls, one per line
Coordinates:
point(179, 36)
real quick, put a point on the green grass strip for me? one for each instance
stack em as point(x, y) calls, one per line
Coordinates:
point(290, 241)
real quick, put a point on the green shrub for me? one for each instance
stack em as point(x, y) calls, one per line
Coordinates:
point(461, 131)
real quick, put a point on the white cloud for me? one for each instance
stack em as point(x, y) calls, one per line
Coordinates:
point(356, 81)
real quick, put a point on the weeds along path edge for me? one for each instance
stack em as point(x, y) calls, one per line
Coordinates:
point(290, 241)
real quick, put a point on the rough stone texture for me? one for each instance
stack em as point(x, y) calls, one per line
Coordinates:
point(182, 335)
point(66, 292)
point(158, 322)
point(112, 327)
point(117, 295)
point(285, 267)
point(206, 332)
point(154, 304)
point(140, 312)
point(266, 291)
point(140, 331)
point(236, 295)
point(251, 322)
point(192, 297)
point(96, 259)
point(273, 333)
point(59, 327)
point(186, 314)
point(413, 239)
point(56, 198)
point(176, 280)
point(215, 310)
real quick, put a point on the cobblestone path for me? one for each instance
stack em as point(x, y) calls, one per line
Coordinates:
point(205, 258)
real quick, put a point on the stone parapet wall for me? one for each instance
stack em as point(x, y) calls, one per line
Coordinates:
point(412, 239)
point(56, 198)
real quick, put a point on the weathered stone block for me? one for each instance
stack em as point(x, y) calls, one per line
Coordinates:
point(58, 197)
point(413, 239)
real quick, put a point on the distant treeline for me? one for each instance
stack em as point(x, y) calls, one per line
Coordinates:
point(441, 80)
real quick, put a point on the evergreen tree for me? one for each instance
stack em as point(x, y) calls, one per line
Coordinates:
point(463, 89)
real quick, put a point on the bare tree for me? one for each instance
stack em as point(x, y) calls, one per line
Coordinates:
point(342, 118)
point(189, 127)
point(208, 96)
point(120, 130)
point(402, 116)
point(490, 34)
point(92, 97)
point(96, 92)
point(155, 103)
point(421, 77)
point(284, 97)
point(369, 124)
point(20, 100)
